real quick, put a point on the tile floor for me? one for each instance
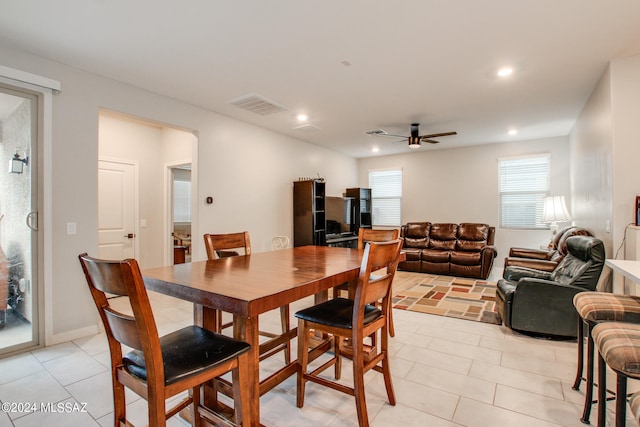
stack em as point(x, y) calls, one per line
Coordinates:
point(447, 372)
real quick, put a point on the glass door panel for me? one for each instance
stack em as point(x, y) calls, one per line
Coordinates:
point(18, 220)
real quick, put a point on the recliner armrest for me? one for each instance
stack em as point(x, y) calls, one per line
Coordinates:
point(537, 264)
point(544, 254)
point(515, 274)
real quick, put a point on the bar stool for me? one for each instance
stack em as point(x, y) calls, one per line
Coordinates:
point(593, 308)
point(619, 348)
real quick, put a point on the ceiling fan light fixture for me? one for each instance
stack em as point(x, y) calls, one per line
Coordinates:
point(414, 142)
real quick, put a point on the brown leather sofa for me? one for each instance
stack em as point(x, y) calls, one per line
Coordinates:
point(544, 259)
point(464, 250)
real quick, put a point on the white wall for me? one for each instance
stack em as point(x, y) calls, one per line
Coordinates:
point(461, 185)
point(605, 153)
point(625, 101)
point(592, 162)
point(248, 170)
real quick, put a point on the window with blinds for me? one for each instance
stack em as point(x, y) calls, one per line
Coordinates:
point(181, 201)
point(386, 197)
point(524, 183)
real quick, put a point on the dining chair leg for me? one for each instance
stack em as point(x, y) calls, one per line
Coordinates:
point(241, 388)
point(602, 392)
point(358, 383)
point(588, 393)
point(386, 371)
point(576, 382)
point(303, 360)
point(196, 420)
point(119, 403)
point(156, 409)
point(285, 322)
point(392, 329)
point(337, 342)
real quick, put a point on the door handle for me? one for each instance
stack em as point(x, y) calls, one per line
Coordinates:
point(130, 236)
point(31, 223)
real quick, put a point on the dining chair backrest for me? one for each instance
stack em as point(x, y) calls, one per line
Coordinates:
point(372, 288)
point(370, 235)
point(138, 331)
point(224, 245)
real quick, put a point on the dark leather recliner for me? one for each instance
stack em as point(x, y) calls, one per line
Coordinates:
point(544, 259)
point(536, 301)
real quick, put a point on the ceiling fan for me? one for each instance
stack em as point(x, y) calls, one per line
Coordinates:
point(415, 139)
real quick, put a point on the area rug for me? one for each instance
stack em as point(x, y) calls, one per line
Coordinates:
point(449, 296)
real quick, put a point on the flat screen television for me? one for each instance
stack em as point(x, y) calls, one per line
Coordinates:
point(339, 215)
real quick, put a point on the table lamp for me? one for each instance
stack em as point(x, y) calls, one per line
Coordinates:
point(555, 211)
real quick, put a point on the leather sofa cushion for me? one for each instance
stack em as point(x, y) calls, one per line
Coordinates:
point(412, 254)
point(443, 236)
point(416, 235)
point(435, 255)
point(465, 258)
point(472, 237)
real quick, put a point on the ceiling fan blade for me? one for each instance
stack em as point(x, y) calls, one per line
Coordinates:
point(392, 135)
point(436, 135)
point(402, 140)
point(430, 141)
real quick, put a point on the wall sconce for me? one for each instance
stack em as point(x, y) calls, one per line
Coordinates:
point(17, 163)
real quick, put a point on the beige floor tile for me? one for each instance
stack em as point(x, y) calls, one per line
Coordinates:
point(472, 413)
point(535, 405)
point(462, 385)
point(516, 378)
point(465, 350)
point(427, 357)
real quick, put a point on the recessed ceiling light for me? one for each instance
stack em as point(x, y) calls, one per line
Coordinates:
point(513, 132)
point(504, 72)
point(302, 117)
point(375, 149)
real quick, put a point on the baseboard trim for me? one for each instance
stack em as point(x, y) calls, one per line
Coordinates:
point(73, 335)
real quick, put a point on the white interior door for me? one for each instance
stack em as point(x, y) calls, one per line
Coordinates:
point(116, 210)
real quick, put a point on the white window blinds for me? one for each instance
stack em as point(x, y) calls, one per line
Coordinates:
point(181, 201)
point(524, 182)
point(386, 197)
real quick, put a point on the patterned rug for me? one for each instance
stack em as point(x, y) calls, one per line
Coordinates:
point(449, 296)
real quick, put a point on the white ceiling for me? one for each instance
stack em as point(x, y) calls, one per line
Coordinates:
point(427, 61)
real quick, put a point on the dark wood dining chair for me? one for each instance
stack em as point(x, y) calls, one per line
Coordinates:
point(224, 245)
point(370, 235)
point(160, 367)
point(348, 322)
point(235, 244)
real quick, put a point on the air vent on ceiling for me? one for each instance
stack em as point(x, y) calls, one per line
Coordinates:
point(257, 104)
point(307, 128)
point(376, 132)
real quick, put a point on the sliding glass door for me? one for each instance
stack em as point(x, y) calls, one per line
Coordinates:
point(18, 220)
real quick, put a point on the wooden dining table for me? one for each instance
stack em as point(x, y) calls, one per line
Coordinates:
point(247, 286)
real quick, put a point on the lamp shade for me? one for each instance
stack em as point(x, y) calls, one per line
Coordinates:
point(555, 210)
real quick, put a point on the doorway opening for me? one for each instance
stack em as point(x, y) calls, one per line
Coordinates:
point(181, 212)
point(151, 146)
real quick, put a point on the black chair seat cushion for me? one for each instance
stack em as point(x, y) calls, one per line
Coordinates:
point(186, 352)
point(337, 313)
